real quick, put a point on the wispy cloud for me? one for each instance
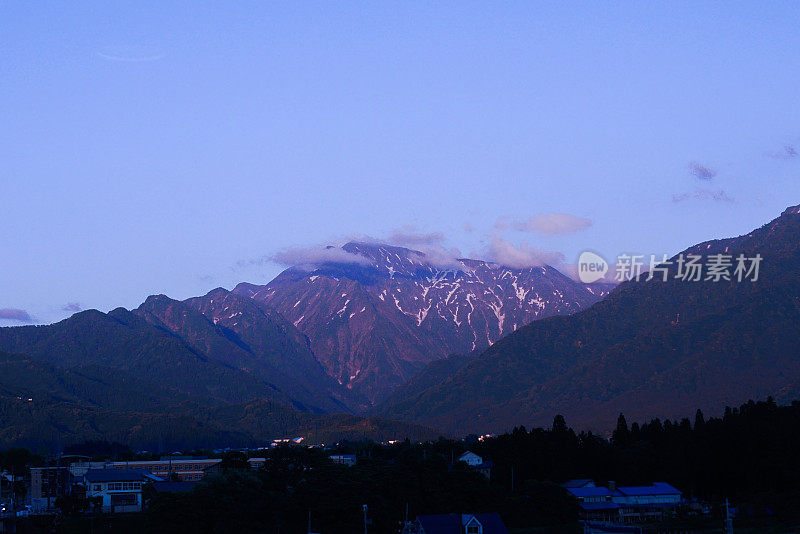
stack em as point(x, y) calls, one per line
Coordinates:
point(520, 256)
point(15, 314)
point(72, 307)
point(409, 236)
point(130, 58)
point(310, 257)
point(787, 152)
point(443, 257)
point(703, 194)
point(545, 223)
point(701, 172)
point(431, 244)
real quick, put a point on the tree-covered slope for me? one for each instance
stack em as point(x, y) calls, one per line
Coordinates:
point(650, 348)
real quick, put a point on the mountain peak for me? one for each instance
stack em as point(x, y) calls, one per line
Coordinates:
point(792, 210)
point(376, 250)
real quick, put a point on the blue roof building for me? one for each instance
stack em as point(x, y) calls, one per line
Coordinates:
point(457, 524)
point(626, 504)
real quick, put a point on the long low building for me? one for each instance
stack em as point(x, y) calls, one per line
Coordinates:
point(626, 504)
point(187, 469)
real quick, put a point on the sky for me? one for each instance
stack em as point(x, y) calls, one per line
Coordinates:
point(174, 147)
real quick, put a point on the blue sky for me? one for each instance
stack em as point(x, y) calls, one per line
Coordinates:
point(174, 147)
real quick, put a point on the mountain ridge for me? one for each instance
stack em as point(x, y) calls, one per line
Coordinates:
point(669, 346)
point(428, 308)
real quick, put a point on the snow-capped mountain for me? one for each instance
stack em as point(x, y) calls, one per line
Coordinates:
point(376, 320)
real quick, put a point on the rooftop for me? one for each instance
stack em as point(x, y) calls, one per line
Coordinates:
point(657, 488)
point(590, 492)
point(118, 475)
point(453, 523)
point(579, 483)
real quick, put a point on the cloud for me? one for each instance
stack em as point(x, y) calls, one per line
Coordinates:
point(408, 235)
point(701, 172)
point(131, 58)
point(430, 244)
point(519, 257)
point(545, 223)
point(306, 257)
point(468, 227)
point(443, 258)
point(788, 152)
point(703, 194)
point(72, 307)
point(15, 314)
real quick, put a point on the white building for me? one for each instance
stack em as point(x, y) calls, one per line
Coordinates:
point(118, 490)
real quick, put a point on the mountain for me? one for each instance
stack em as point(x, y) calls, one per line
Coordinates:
point(46, 425)
point(650, 348)
point(213, 371)
point(24, 378)
point(123, 341)
point(238, 333)
point(381, 313)
point(245, 366)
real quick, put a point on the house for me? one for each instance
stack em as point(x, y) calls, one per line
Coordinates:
point(117, 490)
point(457, 524)
point(471, 459)
point(47, 484)
point(626, 504)
point(477, 463)
point(344, 459)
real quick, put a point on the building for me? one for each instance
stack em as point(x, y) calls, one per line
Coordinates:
point(471, 459)
point(624, 504)
point(344, 459)
point(188, 469)
point(596, 503)
point(218, 467)
point(457, 524)
point(642, 503)
point(256, 463)
point(48, 484)
point(477, 463)
point(79, 468)
point(579, 483)
point(117, 490)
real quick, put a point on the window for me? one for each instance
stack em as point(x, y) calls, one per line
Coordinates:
point(131, 486)
point(473, 529)
point(114, 486)
point(98, 487)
